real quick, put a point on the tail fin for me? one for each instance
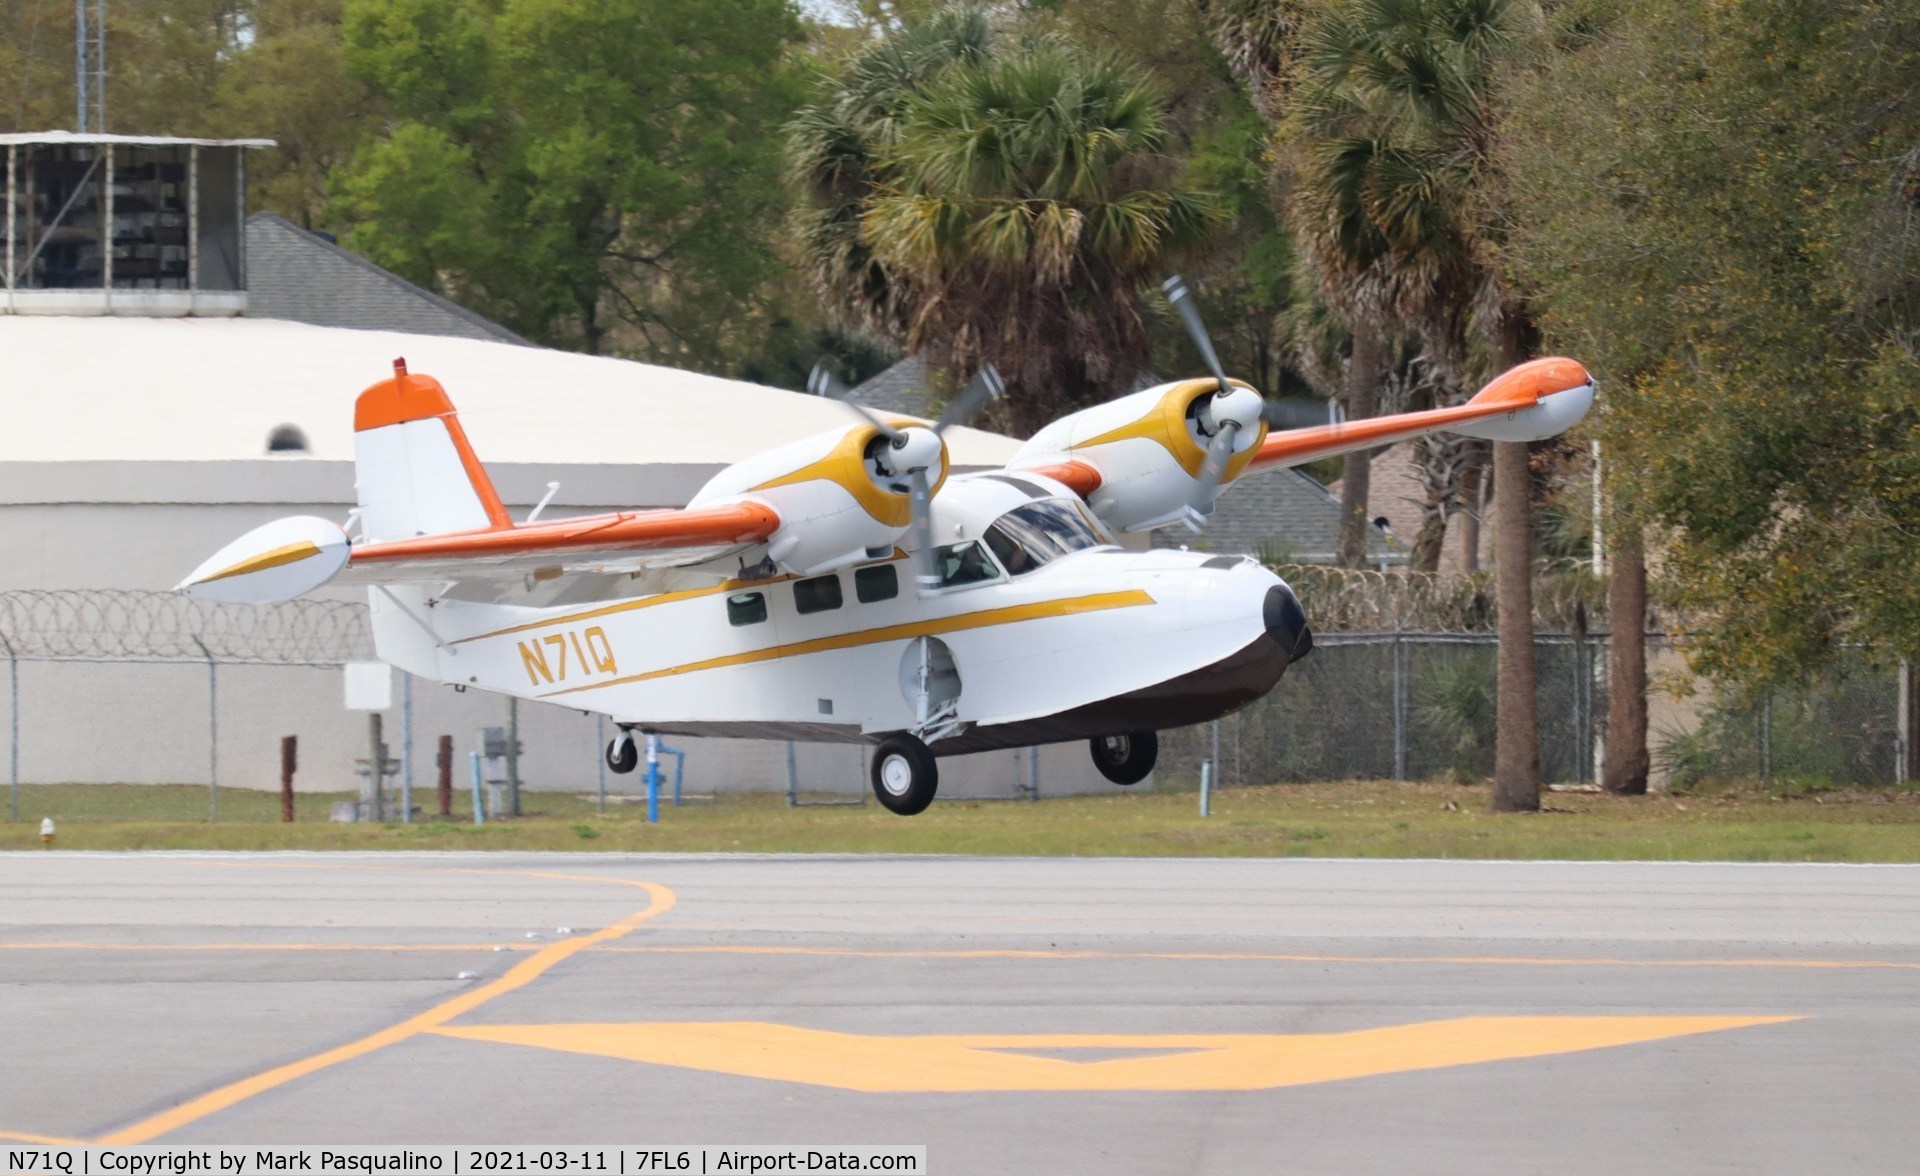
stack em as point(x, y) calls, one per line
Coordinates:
point(414, 471)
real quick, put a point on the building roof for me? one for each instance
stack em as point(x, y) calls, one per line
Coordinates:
point(92, 389)
point(72, 138)
point(901, 388)
point(297, 275)
point(1284, 514)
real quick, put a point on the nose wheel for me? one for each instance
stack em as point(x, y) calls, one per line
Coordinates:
point(1126, 759)
point(905, 775)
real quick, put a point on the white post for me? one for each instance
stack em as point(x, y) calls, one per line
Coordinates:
point(12, 187)
point(1903, 751)
point(1206, 789)
point(193, 223)
point(106, 233)
point(406, 748)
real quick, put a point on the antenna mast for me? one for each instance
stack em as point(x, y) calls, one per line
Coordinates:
point(90, 66)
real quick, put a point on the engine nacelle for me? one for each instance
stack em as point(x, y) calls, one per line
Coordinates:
point(1149, 447)
point(838, 494)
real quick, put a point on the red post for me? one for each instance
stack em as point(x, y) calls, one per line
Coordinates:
point(289, 760)
point(445, 763)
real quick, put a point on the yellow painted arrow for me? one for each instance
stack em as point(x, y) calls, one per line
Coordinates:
point(947, 1063)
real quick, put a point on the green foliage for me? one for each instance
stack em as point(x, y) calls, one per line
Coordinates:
point(1739, 259)
point(1390, 137)
point(1453, 704)
point(1006, 206)
point(594, 173)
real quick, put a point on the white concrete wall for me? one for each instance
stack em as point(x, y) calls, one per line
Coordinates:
point(90, 722)
point(144, 525)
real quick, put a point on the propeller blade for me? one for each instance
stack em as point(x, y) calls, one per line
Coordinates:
point(1219, 453)
point(1189, 311)
point(821, 382)
point(985, 387)
point(920, 498)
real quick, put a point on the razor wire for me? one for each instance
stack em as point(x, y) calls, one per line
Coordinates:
point(126, 625)
point(1362, 600)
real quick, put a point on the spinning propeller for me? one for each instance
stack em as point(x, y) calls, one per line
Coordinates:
point(1220, 416)
point(910, 452)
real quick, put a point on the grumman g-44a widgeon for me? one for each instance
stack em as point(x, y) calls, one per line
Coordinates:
point(843, 587)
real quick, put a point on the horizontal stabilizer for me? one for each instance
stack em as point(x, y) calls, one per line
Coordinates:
point(271, 563)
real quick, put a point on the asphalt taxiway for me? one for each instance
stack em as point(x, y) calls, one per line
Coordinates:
point(1013, 1015)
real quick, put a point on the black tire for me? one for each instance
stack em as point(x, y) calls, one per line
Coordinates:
point(623, 754)
point(1126, 759)
point(905, 775)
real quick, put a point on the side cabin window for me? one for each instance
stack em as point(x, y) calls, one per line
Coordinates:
point(966, 562)
point(817, 595)
point(880, 582)
point(746, 608)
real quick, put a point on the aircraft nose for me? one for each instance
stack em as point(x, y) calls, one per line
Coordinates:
point(1286, 622)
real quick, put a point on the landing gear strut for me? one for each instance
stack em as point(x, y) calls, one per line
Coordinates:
point(1126, 759)
point(905, 775)
point(623, 755)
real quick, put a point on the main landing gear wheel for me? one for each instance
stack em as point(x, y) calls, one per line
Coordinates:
point(1126, 759)
point(623, 754)
point(905, 775)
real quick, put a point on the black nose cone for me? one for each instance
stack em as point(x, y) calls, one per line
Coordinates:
point(1287, 622)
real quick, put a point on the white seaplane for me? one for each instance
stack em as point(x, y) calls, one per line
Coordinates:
point(843, 587)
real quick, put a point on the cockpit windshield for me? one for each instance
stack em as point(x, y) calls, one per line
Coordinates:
point(1038, 532)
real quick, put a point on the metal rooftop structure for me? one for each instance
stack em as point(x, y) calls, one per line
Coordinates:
point(124, 224)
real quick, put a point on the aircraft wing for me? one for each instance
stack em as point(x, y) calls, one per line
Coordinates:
point(1138, 488)
point(288, 557)
point(1529, 403)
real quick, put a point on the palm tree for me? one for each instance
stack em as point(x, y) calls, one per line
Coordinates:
point(834, 148)
point(1379, 199)
point(1392, 131)
point(1007, 209)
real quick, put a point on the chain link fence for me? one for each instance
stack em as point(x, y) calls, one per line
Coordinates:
point(1417, 706)
point(157, 688)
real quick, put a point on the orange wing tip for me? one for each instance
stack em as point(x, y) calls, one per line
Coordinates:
point(1524, 385)
point(401, 399)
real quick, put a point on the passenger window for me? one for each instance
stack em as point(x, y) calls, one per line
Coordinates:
point(876, 583)
point(746, 608)
point(817, 595)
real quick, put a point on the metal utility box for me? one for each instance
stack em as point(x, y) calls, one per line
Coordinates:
point(124, 224)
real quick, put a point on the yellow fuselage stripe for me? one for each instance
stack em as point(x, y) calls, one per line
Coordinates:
point(291, 553)
point(985, 618)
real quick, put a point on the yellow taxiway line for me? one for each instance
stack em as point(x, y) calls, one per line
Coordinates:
point(659, 901)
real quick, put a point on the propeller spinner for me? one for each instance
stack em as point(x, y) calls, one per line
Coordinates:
point(1220, 416)
point(909, 453)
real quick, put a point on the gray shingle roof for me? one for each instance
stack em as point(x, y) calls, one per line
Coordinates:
point(294, 275)
point(899, 389)
point(1285, 513)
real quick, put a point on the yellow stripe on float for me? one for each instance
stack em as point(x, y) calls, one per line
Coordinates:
point(279, 556)
point(984, 619)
